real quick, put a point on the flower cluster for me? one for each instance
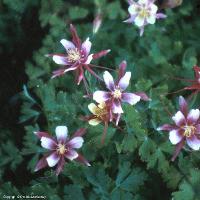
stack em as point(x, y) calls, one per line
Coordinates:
point(109, 107)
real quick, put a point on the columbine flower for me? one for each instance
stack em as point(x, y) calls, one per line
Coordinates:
point(186, 128)
point(142, 13)
point(116, 94)
point(97, 23)
point(60, 148)
point(77, 57)
point(100, 114)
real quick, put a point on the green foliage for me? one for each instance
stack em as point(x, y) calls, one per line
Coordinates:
point(134, 162)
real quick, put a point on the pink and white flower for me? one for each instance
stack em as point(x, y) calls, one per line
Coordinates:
point(60, 148)
point(77, 57)
point(186, 128)
point(116, 92)
point(143, 12)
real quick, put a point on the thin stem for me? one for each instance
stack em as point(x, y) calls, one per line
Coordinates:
point(104, 132)
point(97, 66)
point(92, 72)
point(86, 86)
point(165, 108)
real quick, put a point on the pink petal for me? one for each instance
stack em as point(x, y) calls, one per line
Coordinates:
point(193, 142)
point(193, 116)
point(143, 96)
point(101, 53)
point(179, 146)
point(81, 159)
point(130, 98)
point(122, 69)
point(101, 96)
point(160, 16)
point(179, 118)
point(48, 143)
point(61, 133)
point(60, 60)
point(76, 142)
point(116, 107)
point(57, 73)
point(166, 127)
point(67, 44)
point(60, 165)
point(124, 81)
point(42, 163)
point(71, 154)
point(183, 105)
point(53, 159)
point(86, 46)
point(130, 19)
point(175, 137)
point(76, 40)
point(197, 129)
point(97, 23)
point(41, 134)
point(80, 132)
point(108, 79)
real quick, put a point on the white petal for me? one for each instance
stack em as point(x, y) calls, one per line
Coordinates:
point(47, 143)
point(53, 159)
point(61, 133)
point(89, 59)
point(193, 115)
point(151, 19)
point(133, 9)
point(139, 21)
point(130, 98)
point(76, 142)
point(87, 45)
point(71, 154)
point(193, 143)
point(60, 60)
point(175, 137)
point(92, 108)
point(153, 8)
point(116, 107)
point(94, 122)
point(124, 81)
point(101, 96)
point(67, 44)
point(143, 2)
point(178, 118)
point(108, 79)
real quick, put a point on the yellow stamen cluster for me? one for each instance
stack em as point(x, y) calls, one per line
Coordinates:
point(144, 13)
point(189, 131)
point(73, 55)
point(100, 110)
point(61, 149)
point(117, 94)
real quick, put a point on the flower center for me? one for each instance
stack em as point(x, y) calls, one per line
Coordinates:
point(189, 131)
point(143, 13)
point(61, 149)
point(117, 94)
point(73, 55)
point(101, 110)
